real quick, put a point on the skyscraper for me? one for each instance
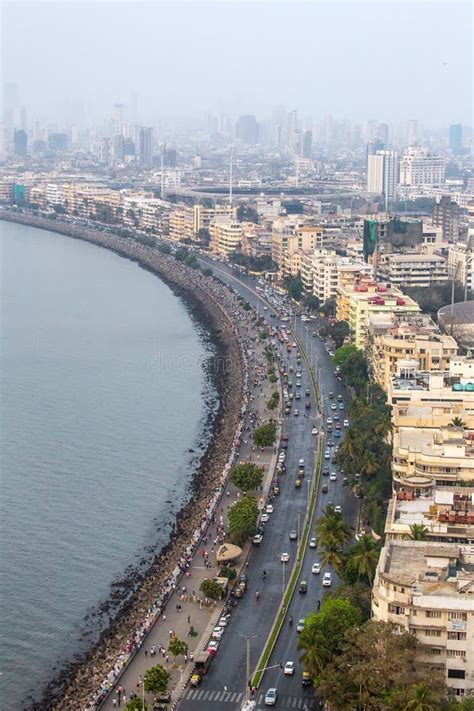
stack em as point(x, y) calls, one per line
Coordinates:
point(328, 129)
point(247, 129)
point(104, 150)
point(412, 132)
point(307, 143)
point(145, 146)
point(455, 138)
point(20, 141)
point(382, 174)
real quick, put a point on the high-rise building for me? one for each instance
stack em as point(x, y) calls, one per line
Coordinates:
point(145, 146)
point(307, 143)
point(20, 141)
point(382, 174)
point(418, 168)
point(412, 132)
point(446, 216)
point(247, 129)
point(58, 142)
point(119, 151)
point(104, 150)
point(455, 138)
point(328, 129)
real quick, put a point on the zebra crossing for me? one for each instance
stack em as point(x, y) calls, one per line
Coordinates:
point(234, 697)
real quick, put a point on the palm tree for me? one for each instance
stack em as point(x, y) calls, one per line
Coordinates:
point(332, 530)
point(422, 699)
point(333, 557)
point(418, 532)
point(363, 557)
point(315, 656)
point(457, 422)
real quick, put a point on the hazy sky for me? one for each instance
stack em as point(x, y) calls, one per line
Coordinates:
point(384, 60)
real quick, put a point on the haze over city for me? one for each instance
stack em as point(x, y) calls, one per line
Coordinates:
point(355, 60)
point(237, 356)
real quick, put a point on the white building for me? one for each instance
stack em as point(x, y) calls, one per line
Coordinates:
point(460, 265)
point(418, 168)
point(413, 269)
point(382, 174)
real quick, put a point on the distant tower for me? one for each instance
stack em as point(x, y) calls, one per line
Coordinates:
point(119, 116)
point(145, 146)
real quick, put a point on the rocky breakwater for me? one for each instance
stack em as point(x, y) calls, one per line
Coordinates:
point(213, 304)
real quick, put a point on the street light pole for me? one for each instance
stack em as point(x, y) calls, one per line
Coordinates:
point(247, 666)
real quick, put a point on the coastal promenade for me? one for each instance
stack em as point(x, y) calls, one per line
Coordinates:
point(186, 610)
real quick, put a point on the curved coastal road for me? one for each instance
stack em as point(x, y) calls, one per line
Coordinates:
point(225, 684)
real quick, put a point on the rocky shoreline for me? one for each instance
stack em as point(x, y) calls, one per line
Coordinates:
point(76, 683)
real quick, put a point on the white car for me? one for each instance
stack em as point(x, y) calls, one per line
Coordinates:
point(300, 625)
point(312, 542)
point(213, 646)
point(222, 622)
point(264, 518)
point(271, 697)
point(217, 632)
point(316, 568)
point(327, 580)
point(338, 509)
point(346, 423)
point(333, 406)
point(289, 669)
point(329, 421)
point(314, 431)
point(285, 557)
point(269, 509)
point(333, 476)
point(327, 454)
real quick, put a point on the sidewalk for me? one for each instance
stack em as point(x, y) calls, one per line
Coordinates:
point(187, 614)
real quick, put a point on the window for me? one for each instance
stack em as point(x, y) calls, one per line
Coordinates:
point(434, 651)
point(396, 609)
point(456, 653)
point(457, 616)
point(456, 635)
point(432, 633)
point(433, 614)
point(456, 674)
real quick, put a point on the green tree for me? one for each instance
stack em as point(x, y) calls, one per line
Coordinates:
point(245, 213)
point(294, 287)
point(156, 679)
point(135, 705)
point(273, 400)
point(311, 302)
point(246, 476)
point(331, 530)
point(418, 532)
point(211, 589)
point(191, 261)
point(329, 307)
point(264, 436)
point(164, 248)
point(227, 572)
point(177, 647)
point(243, 519)
point(353, 365)
point(207, 271)
point(323, 635)
point(422, 698)
point(203, 235)
point(357, 593)
point(181, 254)
point(339, 331)
point(362, 558)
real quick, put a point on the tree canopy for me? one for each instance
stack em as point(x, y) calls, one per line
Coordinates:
point(243, 519)
point(156, 679)
point(211, 589)
point(177, 647)
point(264, 436)
point(246, 476)
point(294, 287)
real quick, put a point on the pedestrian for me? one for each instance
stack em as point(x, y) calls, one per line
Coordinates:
point(114, 703)
point(225, 689)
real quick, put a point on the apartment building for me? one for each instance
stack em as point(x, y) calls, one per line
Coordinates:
point(460, 263)
point(413, 269)
point(394, 339)
point(357, 303)
point(446, 513)
point(419, 168)
point(291, 239)
point(324, 271)
point(425, 588)
point(226, 235)
point(185, 222)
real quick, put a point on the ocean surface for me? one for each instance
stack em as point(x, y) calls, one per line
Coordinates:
point(103, 393)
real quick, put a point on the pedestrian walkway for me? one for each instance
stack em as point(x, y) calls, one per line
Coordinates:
point(188, 615)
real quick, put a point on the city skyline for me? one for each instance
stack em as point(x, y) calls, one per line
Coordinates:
point(324, 67)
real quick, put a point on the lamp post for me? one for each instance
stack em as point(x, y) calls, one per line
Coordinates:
point(247, 666)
